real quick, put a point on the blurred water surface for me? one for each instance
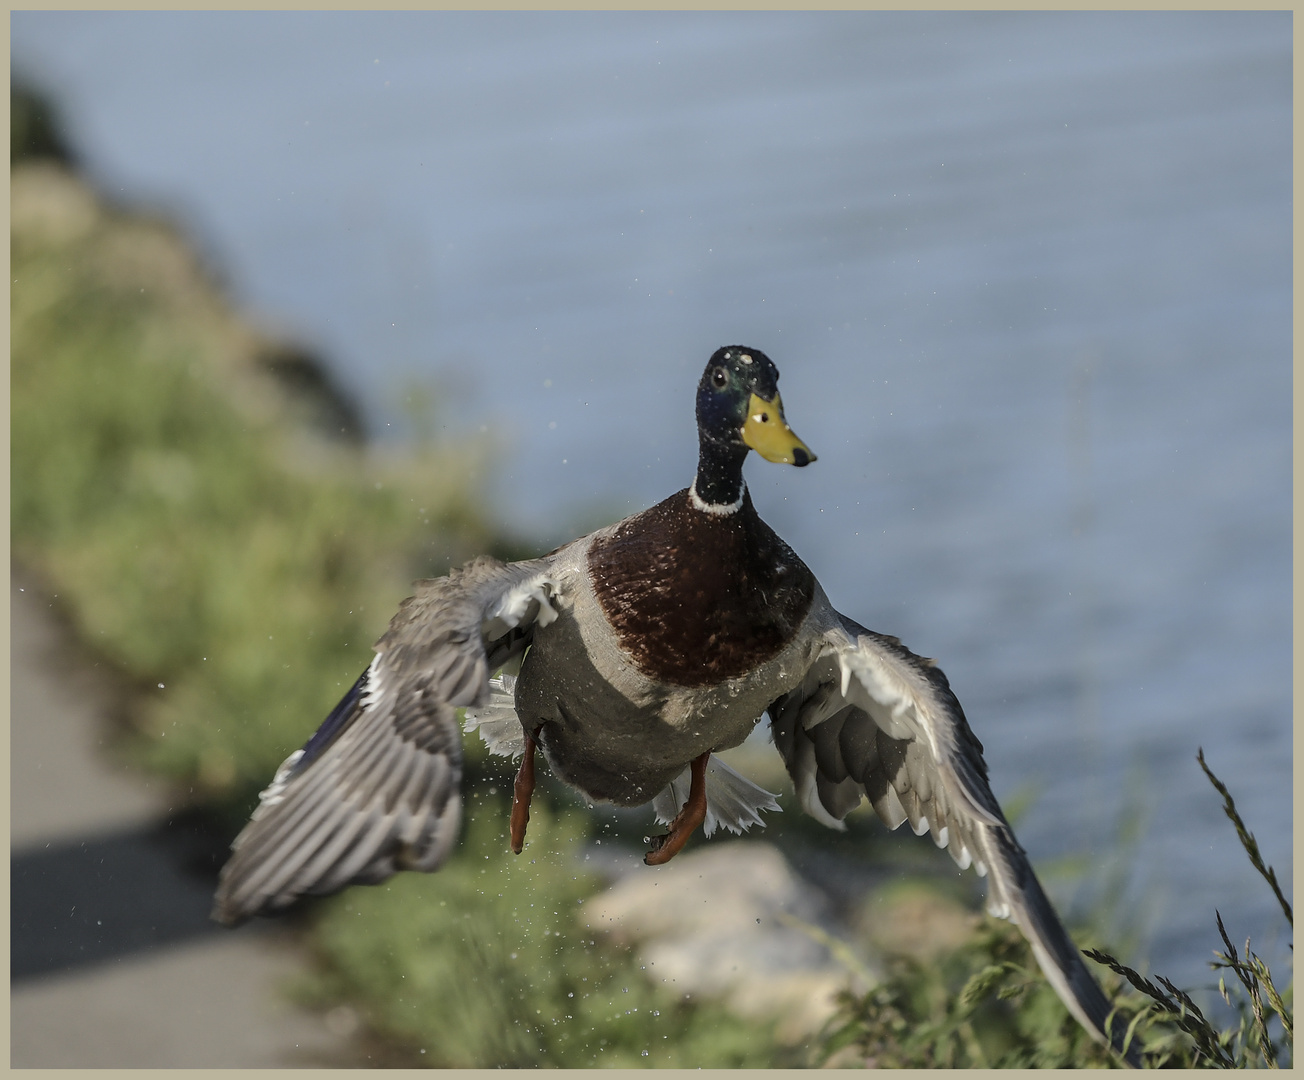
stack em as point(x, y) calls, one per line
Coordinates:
point(1027, 277)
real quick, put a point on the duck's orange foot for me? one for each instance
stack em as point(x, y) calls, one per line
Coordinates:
point(521, 794)
point(668, 845)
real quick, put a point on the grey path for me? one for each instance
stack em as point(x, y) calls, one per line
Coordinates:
point(161, 989)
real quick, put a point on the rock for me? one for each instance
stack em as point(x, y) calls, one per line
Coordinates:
point(730, 921)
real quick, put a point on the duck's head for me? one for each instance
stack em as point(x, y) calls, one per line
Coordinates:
point(739, 408)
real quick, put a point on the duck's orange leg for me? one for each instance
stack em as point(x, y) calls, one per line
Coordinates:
point(667, 846)
point(521, 794)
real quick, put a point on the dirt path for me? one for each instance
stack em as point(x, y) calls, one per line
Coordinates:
point(114, 963)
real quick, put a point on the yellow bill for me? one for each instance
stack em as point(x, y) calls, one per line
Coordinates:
point(768, 433)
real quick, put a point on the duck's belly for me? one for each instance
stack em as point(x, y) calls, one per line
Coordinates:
point(618, 736)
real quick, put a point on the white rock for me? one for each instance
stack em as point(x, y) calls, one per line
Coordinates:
point(730, 920)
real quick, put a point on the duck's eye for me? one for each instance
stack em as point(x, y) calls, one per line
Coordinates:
point(719, 378)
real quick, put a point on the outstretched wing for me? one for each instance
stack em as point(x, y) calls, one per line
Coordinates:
point(375, 790)
point(873, 718)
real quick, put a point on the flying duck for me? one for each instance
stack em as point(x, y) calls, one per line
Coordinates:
point(629, 657)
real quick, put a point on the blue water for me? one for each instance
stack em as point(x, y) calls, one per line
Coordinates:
point(1027, 278)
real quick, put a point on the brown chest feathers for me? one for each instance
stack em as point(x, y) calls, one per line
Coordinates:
point(695, 598)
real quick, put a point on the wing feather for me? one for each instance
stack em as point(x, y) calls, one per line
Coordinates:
point(885, 800)
point(858, 742)
point(839, 797)
point(828, 748)
point(375, 790)
point(347, 861)
point(336, 843)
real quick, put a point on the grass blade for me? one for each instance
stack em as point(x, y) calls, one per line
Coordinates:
point(1247, 838)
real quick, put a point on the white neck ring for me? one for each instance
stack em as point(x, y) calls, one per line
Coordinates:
point(719, 509)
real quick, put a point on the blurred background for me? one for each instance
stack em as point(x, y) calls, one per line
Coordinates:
point(1026, 276)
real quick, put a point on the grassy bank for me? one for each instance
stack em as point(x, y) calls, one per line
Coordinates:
point(231, 562)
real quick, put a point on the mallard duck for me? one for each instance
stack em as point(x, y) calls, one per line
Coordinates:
point(630, 657)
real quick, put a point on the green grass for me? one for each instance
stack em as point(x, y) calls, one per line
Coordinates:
point(982, 1005)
